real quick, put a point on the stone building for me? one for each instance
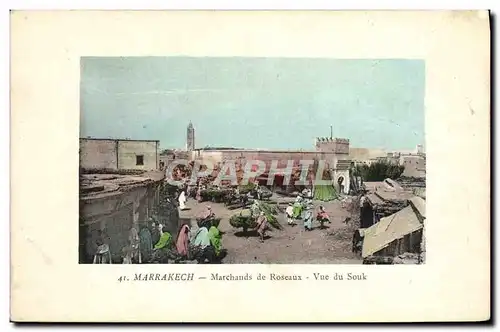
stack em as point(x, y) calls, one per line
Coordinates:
point(169, 155)
point(415, 166)
point(119, 154)
point(120, 184)
point(413, 160)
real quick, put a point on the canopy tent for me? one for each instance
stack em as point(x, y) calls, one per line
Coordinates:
point(325, 193)
point(389, 229)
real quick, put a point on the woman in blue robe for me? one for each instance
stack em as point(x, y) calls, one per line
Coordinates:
point(308, 218)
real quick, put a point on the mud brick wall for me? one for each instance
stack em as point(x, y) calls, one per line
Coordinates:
point(129, 150)
point(96, 154)
point(118, 154)
point(282, 157)
point(414, 166)
point(241, 157)
point(117, 214)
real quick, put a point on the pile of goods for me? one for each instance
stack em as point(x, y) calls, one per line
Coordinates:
point(216, 195)
point(389, 208)
point(270, 212)
point(240, 197)
point(245, 189)
point(254, 191)
point(289, 192)
point(236, 200)
point(204, 182)
point(246, 219)
point(265, 193)
point(243, 220)
point(208, 222)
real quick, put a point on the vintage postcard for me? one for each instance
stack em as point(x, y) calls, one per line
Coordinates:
point(231, 160)
point(215, 158)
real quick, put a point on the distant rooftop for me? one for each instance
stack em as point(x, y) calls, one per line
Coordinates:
point(313, 151)
point(219, 148)
point(117, 139)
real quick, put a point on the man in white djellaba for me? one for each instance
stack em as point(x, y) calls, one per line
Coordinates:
point(182, 200)
point(289, 214)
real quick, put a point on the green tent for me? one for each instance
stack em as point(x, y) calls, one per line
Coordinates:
point(325, 193)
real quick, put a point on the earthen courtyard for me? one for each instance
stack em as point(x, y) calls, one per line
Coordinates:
point(291, 245)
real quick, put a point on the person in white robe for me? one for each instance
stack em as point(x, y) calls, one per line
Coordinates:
point(289, 214)
point(182, 200)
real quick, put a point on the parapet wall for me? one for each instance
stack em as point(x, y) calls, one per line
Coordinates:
point(281, 157)
point(335, 145)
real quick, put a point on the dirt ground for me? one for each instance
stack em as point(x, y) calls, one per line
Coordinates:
point(292, 245)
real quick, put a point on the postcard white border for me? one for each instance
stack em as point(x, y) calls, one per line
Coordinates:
point(49, 285)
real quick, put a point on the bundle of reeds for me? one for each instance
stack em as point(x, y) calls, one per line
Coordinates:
point(243, 220)
point(246, 219)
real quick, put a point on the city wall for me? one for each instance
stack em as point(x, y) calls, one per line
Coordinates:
point(282, 157)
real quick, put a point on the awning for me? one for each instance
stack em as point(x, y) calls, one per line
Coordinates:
point(389, 229)
point(419, 205)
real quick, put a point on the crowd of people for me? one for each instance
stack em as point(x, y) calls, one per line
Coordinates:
point(153, 244)
point(203, 245)
point(302, 209)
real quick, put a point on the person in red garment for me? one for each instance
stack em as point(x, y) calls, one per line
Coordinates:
point(182, 243)
point(322, 216)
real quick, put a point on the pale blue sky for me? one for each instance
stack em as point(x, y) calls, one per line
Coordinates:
point(275, 103)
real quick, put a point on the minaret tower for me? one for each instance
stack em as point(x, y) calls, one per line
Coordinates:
point(190, 137)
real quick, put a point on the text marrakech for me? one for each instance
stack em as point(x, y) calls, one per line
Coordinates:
point(164, 276)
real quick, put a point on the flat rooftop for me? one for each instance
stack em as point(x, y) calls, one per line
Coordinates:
point(269, 151)
point(118, 139)
point(394, 195)
point(379, 192)
point(94, 185)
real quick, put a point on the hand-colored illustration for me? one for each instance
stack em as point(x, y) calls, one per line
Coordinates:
point(202, 160)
